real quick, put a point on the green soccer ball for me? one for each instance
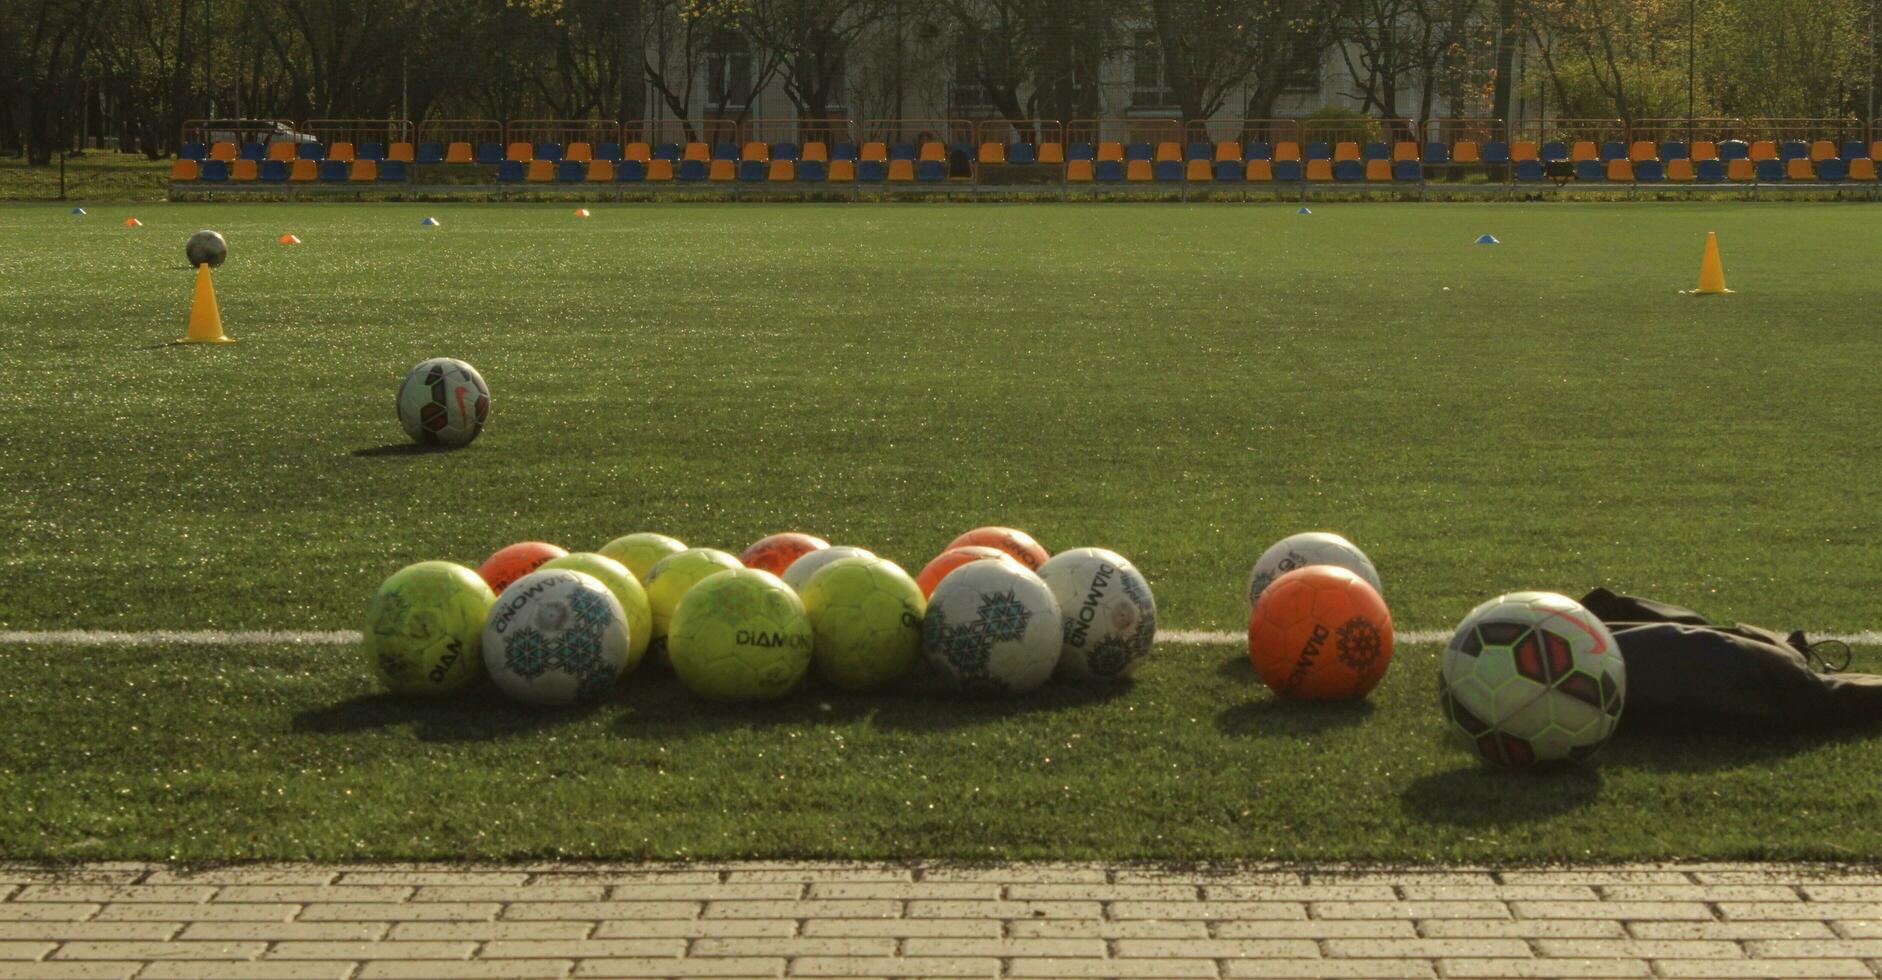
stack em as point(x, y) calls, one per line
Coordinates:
point(625, 586)
point(865, 614)
point(740, 635)
point(640, 551)
point(424, 629)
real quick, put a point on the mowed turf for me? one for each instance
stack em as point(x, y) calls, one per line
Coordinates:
point(1182, 384)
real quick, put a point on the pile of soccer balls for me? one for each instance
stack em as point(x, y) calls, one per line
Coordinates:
point(1528, 677)
point(991, 613)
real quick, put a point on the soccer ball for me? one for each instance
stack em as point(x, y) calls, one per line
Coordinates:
point(866, 615)
point(1532, 677)
point(626, 588)
point(1013, 541)
point(1320, 633)
point(443, 402)
point(556, 637)
point(639, 551)
point(425, 627)
point(670, 578)
point(206, 246)
point(513, 561)
point(932, 573)
point(774, 554)
point(804, 567)
point(1110, 618)
point(993, 626)
point(1309, 548)
point(740, 635)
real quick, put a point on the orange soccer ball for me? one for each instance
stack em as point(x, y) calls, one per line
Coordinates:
point(1016, 543)
point(509, 563)
point(774, 554)
point(1320, 633)
point(949, 560)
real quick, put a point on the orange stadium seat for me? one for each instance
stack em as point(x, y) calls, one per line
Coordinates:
point(1404, 151)
point(1679, 170)
point(1228, 151)
point(991, 153)
point(363, 171)
point(540, 171)
point(244, 170)
point(1259, 171)
point(458, 152)
point(1199, 171)
point(342, 151)
point(781, 172)
point(1621, 171)
point(1799, 169)
point(1286, 150)
point(1078, 172)
point(600, 171)
point(281, 151)
point(902, 171)
point(1862, 168)
point(755, 150)
point(521, 152)
point(400, 152)
point(185, 170)
point(874, 151)
point(696, 151)
point(1467, 151)
point(815, 150)
point(1320, 170)
point(1137, 171)
point(723, 171)
point(1052, 153)
point(933, 152)
point(638, 151)
point(1763, 150)
point(1110, 150)
point(304, 172)
point(1822, 150)
point(222, 151)
point(1168, 151)
point(842, 171)
point(1584, 150)
point(1741, 169)
point(1704, 150)
point(1346, 150)
point(1643, 150)
point(580, 152)
point(1524, 150)
point(1379, 170)
point(660, 170)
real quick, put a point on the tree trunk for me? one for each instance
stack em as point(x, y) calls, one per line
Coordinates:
point(1507, 39)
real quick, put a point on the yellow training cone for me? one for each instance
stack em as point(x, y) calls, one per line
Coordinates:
point(205, 318)
point(1711, 270)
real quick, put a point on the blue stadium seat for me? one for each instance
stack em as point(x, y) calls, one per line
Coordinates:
point(1793, 150)
point(959, 150)
point(1770, 171)
point(1080, 151)
point(1832, 170)
point(310, 151)
point(510, 172)
point(872, 171)
point(1853, 150)
point(491, 153)
point(1139, 150)
point(372, 151)
point(1198, 150)
point(1375, 150)
point(274, 172)
point(571, 171)
point(753, 171)
point(1349, 170)
point(392, 171)
point(1649, 172)
point(785, 151)
point(667, 151)
point(1110, 171)
point(192, 150)
point(1228, 172)
point(1167, 170)
point(1409, 171)
point(548, 150)
point(931, 170)
point(333, 172)
point(1730, 150)
point(630, 171)
point(1553, 150)
point(1709, 171)
point(901, 151)
point(1591, 170)
point(1528, 171)
point(1496, 152)
point(725, 151)
point(1437, 152)
point(812, 171)
point(215, 171)
point(1287, 171)
point(1257, 150)
point(1319, 150)
point(430, 151)
point(693, 170)
point(610, 152)
point(1674, 150)
point(1021, 153)
point(253, 151)
point(1612, 150)
point(844, 151)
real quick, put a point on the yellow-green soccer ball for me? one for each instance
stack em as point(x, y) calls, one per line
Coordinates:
point(740, 636)
point(865, 615)
point(640, 551)
point(425, 628)
point(625, 586)
point(669, 579)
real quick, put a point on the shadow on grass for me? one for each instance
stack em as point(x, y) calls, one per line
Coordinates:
point(1479, 795)
point(1270, 716)
point(482, 717)
point(1675, 745)
point(1239, 668)
point(399, 449)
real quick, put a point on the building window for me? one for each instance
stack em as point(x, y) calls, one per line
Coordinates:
point(1149, 88)
point(728, 74)
point(1303, 67)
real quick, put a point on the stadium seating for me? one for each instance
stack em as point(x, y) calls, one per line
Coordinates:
point(1740, 168)
point(372, 151)
point(1643, 150)
point(1495, 153)
point(309, 151)
point(696, 152)
point(630, 171)
point(253, 151)
point(1862, 168)
point(1788, 150)
point(1022, 153)
point(931, 170)
point(1288, 171)
point(303, 172)
point(333, 172)
point(1673, 150)
point(1137, 171)
point(991, 153)
point(842, 170)
point(780, 171)
point(283, 152)
point(1319, 169)
point(1225, 171)
point(400, 152)
point(568, 171)
point(192, 151)
point(932, 152)
point(1436, 152)
point(1348, 170)
point(1730, 150)
point(690, 170)
point(1345, 150)
point(1821, 150)
point(341, 152)
point(1078, 171)
point(1832, 170)
point(214, 171)
point(1403, 151)
point(660, 170)
point(1680, 169)
point(1378, 170)
point(392, 170)
point(433, 152)
point(1169, 170)
point(490, 152)
point(1319, 150)
point(817, 170)
point(1768, 170)
point(755, 170)
point(638, 151)
point(1138, 150)
point(1287, 150)
point(722, 171)
point(274, 172)
point(1052, 152)
point(1582, 150)
point(363, 171)
point(185, 169)
point(1167, 151)
point(221, 150)
point(1528, 171)
point(1408, 171)
point(1853, 150)
point(540, 171)
point(1258, 171)
point(244, 171)
point(1710, 171)
point(1468, 152)
point(870, 171)
point(1612, 150)
point(579, 152)
point(1258, 150)
point(1648, 171)
point(1590, 169)
point(1795, 168)
point(902, 150)
point(1109, 171)
point(783, 151)
point(1522, 150)
point(1704, 150)
point(1377, 150)
point(670, 152)
point(1620, 170)
point(900, 169)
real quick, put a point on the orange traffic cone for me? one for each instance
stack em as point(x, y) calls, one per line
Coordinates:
point(288, 240)
point(1711, 270)
point(133, 223)
point(205, 318)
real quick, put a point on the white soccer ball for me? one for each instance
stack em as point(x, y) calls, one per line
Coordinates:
point(1109, 616)
point(1309, 548)
point(556, 637)
point(993, 626)
point(799, 573)
point(1532, 677)
point(443, 402)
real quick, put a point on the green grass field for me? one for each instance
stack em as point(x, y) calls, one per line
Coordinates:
point(1183, 384)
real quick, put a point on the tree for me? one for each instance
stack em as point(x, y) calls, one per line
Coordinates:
point(1211, 47)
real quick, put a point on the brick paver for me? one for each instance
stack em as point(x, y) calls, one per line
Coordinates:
point(777, 919)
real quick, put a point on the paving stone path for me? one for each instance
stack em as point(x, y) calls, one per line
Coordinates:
point(942, 920)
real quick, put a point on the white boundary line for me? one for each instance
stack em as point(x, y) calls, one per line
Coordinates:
point(151, 638)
